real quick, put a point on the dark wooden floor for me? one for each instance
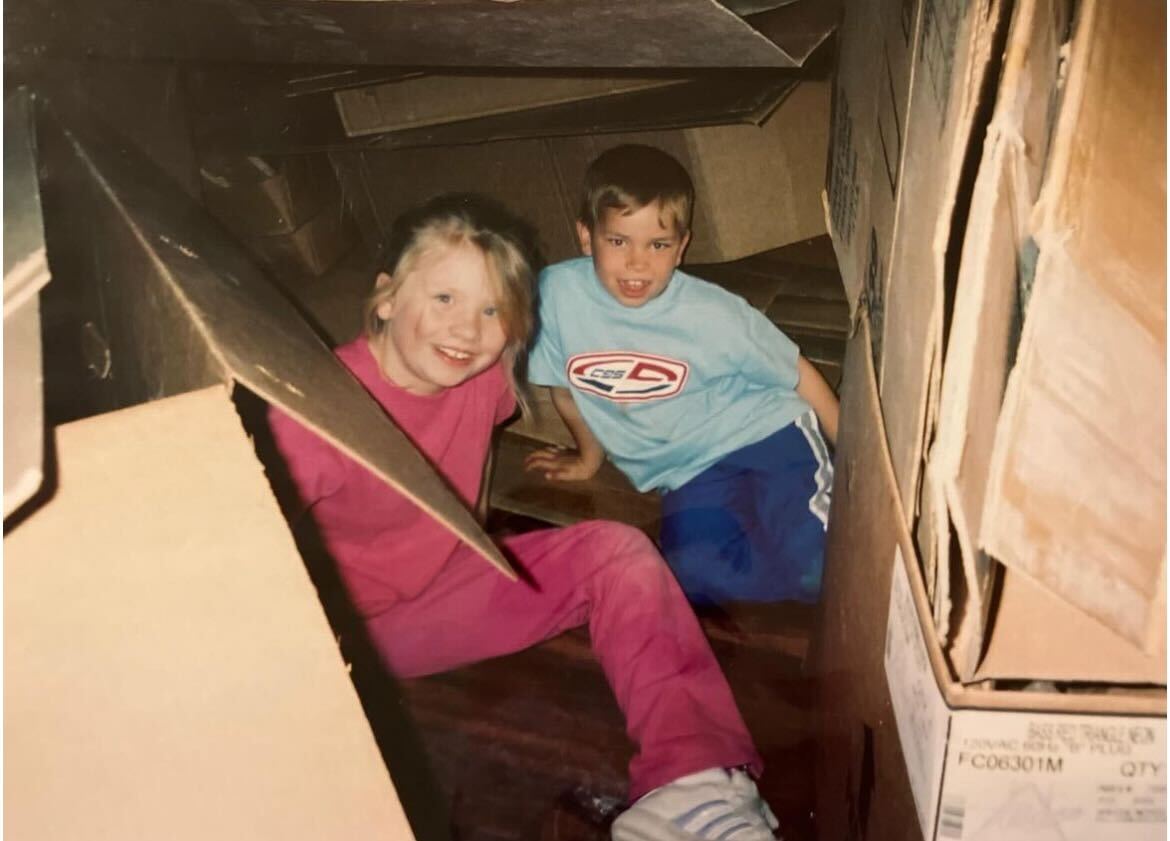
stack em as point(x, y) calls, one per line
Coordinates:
point(532, 747)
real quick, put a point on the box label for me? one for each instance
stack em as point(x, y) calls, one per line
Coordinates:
point(1013, 776)
point(922, 716)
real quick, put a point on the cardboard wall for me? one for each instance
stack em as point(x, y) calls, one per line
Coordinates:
point(757, 185)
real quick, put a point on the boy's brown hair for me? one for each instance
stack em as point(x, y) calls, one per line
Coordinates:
point(631, 176)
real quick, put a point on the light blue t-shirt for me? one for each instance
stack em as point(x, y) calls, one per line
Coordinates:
point(670, 387)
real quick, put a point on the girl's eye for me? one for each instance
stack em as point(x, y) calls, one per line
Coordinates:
point(491, 312)
point(443, 298)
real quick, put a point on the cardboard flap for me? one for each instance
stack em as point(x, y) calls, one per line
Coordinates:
point(552, 33)
point(254, 333)
point(985, 320)
point(1077, 492)
point(168, 669)
point(26, 271)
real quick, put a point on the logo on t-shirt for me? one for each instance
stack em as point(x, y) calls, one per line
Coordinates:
point(627, 376)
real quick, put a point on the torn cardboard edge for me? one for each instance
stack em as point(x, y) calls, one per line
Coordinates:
point(979, 351)
point(255, 335)
point(1076, 496)
point(955, 694)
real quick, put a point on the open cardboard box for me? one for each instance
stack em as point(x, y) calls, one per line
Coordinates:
point(164, 648)
point(906, 748)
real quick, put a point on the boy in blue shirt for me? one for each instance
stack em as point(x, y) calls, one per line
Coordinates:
point(687, 389)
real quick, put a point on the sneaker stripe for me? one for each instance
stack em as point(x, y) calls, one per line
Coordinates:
point(686, 817)
point(732, 831)
point(705, 831)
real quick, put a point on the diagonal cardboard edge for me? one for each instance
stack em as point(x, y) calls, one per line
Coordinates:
point(256, 333)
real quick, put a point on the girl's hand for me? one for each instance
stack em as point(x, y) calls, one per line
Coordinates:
point(564, 465)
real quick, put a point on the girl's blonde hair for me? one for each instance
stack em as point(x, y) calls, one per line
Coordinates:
point(508, 245)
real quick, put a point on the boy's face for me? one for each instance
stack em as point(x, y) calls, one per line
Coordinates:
point(443, 324)
point(634, 253)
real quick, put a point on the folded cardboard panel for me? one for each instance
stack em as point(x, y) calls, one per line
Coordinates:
point(198, 311)
point(581, 33)
point(26, 271)
point(957, 46)
point(894, 734)
point(165, 651)
point(434, 100)
point(986, 317)
point(258, 197)
point(757, 185)
point(1077, 491)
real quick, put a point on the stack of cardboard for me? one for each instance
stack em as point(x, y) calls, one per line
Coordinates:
point(287, 210)
point(999, 217)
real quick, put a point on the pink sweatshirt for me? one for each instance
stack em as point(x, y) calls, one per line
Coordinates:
point(386, 548)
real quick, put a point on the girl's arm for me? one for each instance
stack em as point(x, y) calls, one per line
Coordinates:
point(565, 465)
point(818, 394)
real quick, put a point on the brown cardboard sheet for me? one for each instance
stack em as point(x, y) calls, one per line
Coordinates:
point(434, 100)
point(168, 669)
point(551, 33)
point(1077, 497)
point(870, 107)
point(258, 197)
point(985, 319)
point(226, 321)
point(756, 185)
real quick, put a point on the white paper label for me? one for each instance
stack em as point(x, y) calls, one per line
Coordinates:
point(919, 709)
point(1048, 777)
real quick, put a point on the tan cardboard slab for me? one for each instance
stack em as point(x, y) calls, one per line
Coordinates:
point(552, 33)
point(168, 669)
point(985, 319)
point(26, 271)
point(229, 322)
point(434, 100)
point(1077, 490)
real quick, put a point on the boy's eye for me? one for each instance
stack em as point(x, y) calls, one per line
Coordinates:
point(615, 241)
point(661, 246)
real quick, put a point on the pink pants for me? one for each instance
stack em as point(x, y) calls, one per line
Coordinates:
point(678, 707)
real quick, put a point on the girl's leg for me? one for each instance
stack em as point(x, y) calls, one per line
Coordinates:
point(678, 707)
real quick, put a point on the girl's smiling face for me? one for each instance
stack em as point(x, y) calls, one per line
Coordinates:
point(443, 324)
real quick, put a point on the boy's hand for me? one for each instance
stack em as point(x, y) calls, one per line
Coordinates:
point(564, 465)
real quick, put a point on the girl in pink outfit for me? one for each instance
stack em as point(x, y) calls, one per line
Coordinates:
point(445, 328)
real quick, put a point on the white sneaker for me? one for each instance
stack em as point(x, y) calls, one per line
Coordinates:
point(713, 804)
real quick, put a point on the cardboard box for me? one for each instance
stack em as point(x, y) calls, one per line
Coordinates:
point(905, 749)
point(756, 185)
point(1076, 496)
point(313, 248)
point(257, 197)
point(26, 271)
